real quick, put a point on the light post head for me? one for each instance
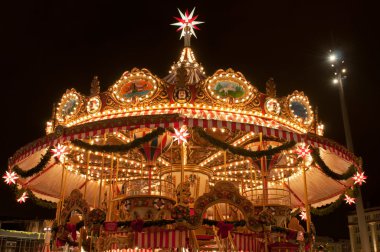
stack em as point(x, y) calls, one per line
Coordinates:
point(337, 63)
point(332, 57)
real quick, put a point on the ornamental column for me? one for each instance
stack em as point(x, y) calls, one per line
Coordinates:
point(372, 226)
point(351, 228)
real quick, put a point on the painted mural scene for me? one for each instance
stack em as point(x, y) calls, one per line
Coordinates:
point(186, 162)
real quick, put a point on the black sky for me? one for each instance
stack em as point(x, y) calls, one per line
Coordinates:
point(49, 46)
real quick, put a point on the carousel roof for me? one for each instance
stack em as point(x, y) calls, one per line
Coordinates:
point(225, 104)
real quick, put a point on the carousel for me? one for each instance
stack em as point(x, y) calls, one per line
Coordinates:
point(188, 162)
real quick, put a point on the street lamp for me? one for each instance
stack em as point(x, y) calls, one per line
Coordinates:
point(339, 75)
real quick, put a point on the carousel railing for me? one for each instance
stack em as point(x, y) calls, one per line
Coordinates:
point(146, 186)
point(272, 196)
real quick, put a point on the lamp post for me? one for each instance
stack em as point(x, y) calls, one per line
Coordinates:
point(340, 73)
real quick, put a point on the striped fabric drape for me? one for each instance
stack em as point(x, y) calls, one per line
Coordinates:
point(248, 242)
point(161, 239)
point(47, 141)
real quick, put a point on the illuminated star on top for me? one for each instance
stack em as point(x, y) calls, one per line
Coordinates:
point(359, 178)
point(303, 150)
point(59, 151)
point(10, 177)
point(187, 20)
point(181, 135)
point(349, 200)
point(23, 197)
point(303, 215)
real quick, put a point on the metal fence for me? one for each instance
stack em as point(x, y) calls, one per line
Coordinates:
point(13, 244)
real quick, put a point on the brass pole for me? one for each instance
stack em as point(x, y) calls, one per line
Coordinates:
point(290, 195)
point(110, 190)
point(150, 168)
point(306, 200)
point(159, 177)
point(255, 178)
point(101, 181)
point(263, 173)
point(182, 162)
point(58, 212)
point(116, 180)
point(63, 194)
point(101, 174)
point(172, 184)
point(250, 167)
point(225, 174)
point(88, 168)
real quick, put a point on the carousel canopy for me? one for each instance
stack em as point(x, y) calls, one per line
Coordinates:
point(226, 120)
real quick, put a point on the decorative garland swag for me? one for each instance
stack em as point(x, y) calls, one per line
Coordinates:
point(326, 170)
point(159, 131)
point(33, 198)
point(241, 151)
point(325, 210)
point(36, 169)
point(225, 146)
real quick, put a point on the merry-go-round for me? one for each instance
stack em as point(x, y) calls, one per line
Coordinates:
point(188, 162)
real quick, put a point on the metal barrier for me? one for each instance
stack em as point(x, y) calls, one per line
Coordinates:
point(13, 244)
point(138, 187)
point(274, 196)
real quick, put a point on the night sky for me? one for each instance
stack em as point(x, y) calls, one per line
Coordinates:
point(48, 47)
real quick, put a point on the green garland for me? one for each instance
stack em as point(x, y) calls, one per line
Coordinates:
point(325, 210)
point(326, 170)
point(320, 211)
point(286, 231)
point(160, 223)
point(208, 222)
point(33, 198)
point(122, 147)
point(241, 151)
point(36, 169)
point(156, 223)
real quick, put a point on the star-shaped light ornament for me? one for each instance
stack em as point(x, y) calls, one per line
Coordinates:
point(60, 151)
point(23, 197)
point(303, 151)
point(303, 215)
point(359, 178)
point(187, 20)
point(10, 177)
point(181, 135)
point(349, 200)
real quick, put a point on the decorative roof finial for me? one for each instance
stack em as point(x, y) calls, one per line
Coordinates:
point(95, 87)
point(187, 24)
point(270, 86)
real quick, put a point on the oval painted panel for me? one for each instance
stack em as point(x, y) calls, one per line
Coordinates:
point(93, 105)
point(226, 89)
point(299, 109)
point(135, 88)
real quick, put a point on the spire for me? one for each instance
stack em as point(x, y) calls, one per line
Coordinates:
point(186, 71)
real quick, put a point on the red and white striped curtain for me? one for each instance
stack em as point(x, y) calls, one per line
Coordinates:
point(129, 250)
point(248, 242)
point(161, 239)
